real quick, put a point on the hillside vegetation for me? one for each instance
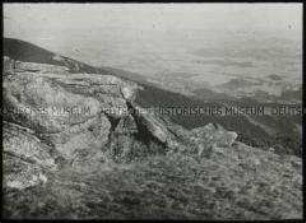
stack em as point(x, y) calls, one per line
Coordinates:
point(76, 146)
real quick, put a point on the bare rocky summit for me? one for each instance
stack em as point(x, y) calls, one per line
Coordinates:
point(75, 145)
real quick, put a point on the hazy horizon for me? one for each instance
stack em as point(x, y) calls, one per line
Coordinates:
point(213, 41)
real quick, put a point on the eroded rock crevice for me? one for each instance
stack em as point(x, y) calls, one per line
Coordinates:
point(77, 115)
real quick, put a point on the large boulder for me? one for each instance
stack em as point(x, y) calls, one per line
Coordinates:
point(149, 124)
point(74, 113)
point(36, 102)
point(69, 121)
point(215, 134)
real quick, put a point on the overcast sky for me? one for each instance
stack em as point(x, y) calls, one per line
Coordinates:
point(22, 19)
point(121, 32)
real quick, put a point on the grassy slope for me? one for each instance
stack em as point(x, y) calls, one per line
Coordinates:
point(173, 186)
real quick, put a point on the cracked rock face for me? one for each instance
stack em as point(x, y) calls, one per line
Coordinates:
point(26, 158)
point(74, 115)
point(20, 174)
point(36, 102)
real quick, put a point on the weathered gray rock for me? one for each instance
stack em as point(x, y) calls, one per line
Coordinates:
point(21, 142)
point(20, 174)
point(217, 134)
point(34, 101)
point(70, 112)
point(112, 92)
point(25, 157)
point(90, 135)
point(104, 84)
point(39, 67)
point(150, 124)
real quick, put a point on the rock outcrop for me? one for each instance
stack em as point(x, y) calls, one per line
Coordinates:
point(211, 136)
point(76, 141)
point(74, 114)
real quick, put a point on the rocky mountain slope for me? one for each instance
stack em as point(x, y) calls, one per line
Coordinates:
point(77, 145)
point(265, 130)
